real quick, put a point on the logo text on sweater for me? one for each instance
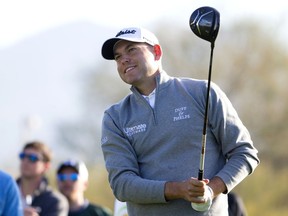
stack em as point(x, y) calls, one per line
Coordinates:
point(130, 131)
point(181, 114)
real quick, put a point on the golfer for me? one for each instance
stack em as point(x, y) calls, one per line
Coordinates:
point(151, 140)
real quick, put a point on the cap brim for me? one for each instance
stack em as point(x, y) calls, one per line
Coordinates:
point(66, 166)
point(107, 48)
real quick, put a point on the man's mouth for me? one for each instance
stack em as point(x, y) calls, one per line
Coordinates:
point(129, 69)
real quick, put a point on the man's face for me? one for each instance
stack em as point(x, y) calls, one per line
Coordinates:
point(70, 183)
point(136, 62)
point(32, 164)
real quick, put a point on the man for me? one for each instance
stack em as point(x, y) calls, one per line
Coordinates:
point(38, 197)
point(10, 202)
point(72, 181)
point(151, 140)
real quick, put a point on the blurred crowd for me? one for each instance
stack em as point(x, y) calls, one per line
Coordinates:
point(31, 195)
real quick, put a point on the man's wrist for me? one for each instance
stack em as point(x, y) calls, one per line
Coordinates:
point(169, 192)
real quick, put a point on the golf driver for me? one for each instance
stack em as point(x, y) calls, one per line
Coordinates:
point(205, 23)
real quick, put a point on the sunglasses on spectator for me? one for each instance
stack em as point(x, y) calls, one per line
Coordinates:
point(31, 157)
point(64, 177)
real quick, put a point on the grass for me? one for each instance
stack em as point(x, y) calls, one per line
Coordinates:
point(265, 192)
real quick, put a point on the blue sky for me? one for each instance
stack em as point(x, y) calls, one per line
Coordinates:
point(20, 19)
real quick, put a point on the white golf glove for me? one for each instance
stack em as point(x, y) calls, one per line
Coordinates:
point(208, 196)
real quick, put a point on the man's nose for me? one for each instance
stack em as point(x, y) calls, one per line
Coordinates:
point(125, 59)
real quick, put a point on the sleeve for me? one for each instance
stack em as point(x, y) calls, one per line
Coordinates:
point(14, 205)
point(237, 146)
point(123, 170)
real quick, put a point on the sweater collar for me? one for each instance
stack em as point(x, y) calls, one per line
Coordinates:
point(161, 80)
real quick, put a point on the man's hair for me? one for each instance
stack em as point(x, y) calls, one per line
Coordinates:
point(41, 147)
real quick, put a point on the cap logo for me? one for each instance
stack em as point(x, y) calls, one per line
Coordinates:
point(125, 32)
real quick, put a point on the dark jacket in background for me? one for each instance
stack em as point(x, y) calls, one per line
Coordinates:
point(48, 201)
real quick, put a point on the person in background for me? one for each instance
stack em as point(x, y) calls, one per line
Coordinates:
point(151, 139)
point(38, 197)
point(120, 208)
point(72, 182)
point(236, 205)
point(10, 202)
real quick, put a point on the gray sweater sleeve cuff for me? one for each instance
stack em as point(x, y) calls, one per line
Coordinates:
point(149, 191)
point(232, 174)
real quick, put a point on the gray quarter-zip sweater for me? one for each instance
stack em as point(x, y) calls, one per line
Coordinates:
point(144, 147)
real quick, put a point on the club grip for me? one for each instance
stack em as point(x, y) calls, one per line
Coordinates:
point(200, 175)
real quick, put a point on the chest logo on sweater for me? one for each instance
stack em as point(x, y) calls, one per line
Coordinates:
point(130, 131)
point(181, 114)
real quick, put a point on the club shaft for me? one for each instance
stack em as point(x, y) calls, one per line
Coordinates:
point(203, 149)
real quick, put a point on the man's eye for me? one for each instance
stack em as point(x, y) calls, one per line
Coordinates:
point(116, 57)
point(131, 49)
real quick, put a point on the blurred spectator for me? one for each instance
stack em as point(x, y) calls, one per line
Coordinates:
point(72, 181)
point(120, 208)
point(10, 203)
point(38, 197)
point(235, 205)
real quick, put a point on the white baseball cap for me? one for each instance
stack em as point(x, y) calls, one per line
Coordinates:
point(134, 34)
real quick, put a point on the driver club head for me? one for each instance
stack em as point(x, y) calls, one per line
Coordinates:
point(205, 23)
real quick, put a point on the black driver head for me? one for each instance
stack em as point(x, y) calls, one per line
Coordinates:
point(205, 23)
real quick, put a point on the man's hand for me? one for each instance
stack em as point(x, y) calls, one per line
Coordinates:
point(195, 191)
point(190, 190)
point(30, 211)
point(206, 200)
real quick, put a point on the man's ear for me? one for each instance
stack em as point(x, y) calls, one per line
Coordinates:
point(47, 165)
point(157, 51)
